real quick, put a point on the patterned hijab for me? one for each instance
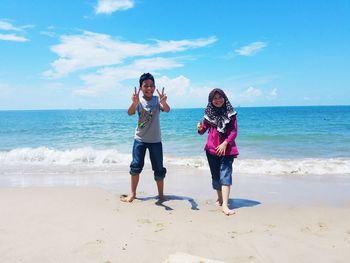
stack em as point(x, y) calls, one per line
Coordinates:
point(219, 117)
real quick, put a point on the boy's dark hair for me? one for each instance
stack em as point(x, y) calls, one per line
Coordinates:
point(145, 76)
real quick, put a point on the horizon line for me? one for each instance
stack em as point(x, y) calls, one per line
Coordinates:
point(178, 108)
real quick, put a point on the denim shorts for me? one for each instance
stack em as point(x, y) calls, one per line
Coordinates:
point(155, 154)
point(221, 170)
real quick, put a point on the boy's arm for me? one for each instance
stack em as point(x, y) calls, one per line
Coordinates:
point(162, 101)
point(135, 101)
point(165, 106)
point(132, 108)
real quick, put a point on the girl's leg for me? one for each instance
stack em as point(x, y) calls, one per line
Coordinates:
point(225, 198)
point(214, 165)
point(226, 182)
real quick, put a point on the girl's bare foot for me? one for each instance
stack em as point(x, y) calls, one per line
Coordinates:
point(227, 211)
point(127, 198)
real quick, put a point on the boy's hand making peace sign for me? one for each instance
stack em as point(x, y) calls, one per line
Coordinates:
point(162, 96)
point(135, 96)
point(162, 100)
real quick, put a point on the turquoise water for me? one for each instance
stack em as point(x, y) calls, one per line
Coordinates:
point(273, 134)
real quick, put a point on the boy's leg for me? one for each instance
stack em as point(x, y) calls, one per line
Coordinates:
point(160, 187)
point(156, 156)
point(136, 166)
point(134, 182)
point(219, 199)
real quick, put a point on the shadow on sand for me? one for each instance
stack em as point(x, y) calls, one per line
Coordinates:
point(193, 203)
point(238, 203)
point(233, 203)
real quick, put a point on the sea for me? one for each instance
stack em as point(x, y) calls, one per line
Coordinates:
point(296, 141)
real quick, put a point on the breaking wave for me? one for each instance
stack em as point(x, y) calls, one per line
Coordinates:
point(89, 157)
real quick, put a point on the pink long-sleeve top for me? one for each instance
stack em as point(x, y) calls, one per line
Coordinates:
point(214, 139)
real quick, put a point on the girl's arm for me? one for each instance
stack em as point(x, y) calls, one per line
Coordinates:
point(233, 134)
point(202, 127)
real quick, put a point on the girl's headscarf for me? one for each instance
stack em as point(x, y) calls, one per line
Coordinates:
point(219, 117)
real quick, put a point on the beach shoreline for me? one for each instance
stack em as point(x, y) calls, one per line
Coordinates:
point(278, 219)
point(191, 182)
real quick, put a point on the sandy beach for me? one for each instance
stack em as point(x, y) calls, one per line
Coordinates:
point(90, 224)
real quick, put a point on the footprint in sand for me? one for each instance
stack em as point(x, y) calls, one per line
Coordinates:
point(160, 227)
point(90, 248)
point(321, 227)
point(144, 221)
point(124, 246)
point(235, 233)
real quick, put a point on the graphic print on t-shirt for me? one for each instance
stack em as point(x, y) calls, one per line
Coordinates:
point(144, 118)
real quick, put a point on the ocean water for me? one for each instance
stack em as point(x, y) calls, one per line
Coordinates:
point(271, 140)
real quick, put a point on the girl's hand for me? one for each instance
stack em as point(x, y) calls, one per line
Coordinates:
point(199, 126)
point(221, 149)
point(162, 96)
point(135, 96)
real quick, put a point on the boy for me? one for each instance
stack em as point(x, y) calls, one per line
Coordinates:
point(147, 134)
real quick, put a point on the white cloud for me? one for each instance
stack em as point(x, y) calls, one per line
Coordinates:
point(48, 33)
point(182, 93)
point(178, 86)
point(273, 93)
point(110, 6)
point(251, 49)
point(111, 77)
point(251, 94)
point(181, 45)
point(13, 37)
point(8, 26)
point(88, 50)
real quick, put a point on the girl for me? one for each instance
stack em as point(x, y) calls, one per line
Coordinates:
point(221, 149)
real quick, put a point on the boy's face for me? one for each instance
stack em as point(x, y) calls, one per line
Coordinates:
point(148, 88)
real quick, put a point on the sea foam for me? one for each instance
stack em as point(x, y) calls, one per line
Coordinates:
point(90, 158)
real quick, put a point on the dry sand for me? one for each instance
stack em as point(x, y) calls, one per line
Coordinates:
point(55, 216)
point(83, 224)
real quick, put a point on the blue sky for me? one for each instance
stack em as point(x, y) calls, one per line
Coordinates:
point(90, 54)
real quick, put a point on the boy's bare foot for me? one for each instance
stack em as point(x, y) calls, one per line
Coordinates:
point(227, 211)
point(218, 202)
point(161, 198)
point(127, 198)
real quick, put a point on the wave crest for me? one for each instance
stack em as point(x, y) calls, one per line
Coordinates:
point(44, 155)
point(89, 157)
